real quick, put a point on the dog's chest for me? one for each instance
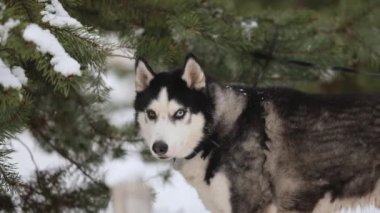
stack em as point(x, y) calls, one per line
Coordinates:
point(216, 195)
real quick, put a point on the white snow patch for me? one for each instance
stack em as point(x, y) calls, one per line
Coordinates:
point(248, 26)
point(121, 117)
point(48, 43)
point(123, 88)
point(175, 196)
point(122, 59)
point(170, 197)
point(19, 73)
point(139, 31)
point(328, 75)
point(7, 79)
point(129, 169)
point(57, 16)
point(362, 209)
point(23, 160)
point(5, 28)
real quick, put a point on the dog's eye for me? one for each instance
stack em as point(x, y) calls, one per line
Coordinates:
point(179, 114)
point(151, 114)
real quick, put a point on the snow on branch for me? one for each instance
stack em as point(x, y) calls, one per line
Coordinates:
point(48, 43)
point(19, 73)
point(57, 16)
point(8, 80)
point(5, 28)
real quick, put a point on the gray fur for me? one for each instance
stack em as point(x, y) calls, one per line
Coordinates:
point(313, 145)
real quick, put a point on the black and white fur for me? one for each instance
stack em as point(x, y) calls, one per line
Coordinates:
point(261, 150)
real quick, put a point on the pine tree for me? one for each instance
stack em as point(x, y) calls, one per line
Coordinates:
point(325, 45)
point(61, 110)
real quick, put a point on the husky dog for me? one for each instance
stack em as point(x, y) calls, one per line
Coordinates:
point(261, 149)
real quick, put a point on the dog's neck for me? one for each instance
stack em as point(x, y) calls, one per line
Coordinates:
point(229, 102)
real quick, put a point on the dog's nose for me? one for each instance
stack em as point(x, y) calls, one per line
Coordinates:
point(160, 147)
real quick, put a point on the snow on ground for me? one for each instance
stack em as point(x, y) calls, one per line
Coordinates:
point(48, 43)
point(174, 196)
point(370, 209)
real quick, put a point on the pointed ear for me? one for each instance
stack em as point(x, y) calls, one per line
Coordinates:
point(144, 75)
point(193, 74)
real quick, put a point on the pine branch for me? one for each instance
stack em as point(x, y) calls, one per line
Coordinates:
point(345, 25)
point(268, 57)
point(121, 56)
point(63, 153)
point(27, 11)
point(10, 179)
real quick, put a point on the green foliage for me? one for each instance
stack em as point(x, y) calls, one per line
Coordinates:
point(294, 41)
point(62, 113)
point(8, 176)
point(53, 194)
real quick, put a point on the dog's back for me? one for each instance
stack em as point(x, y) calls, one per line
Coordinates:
point(322, 147)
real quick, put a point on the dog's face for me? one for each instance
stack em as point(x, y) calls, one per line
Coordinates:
point(172, 109)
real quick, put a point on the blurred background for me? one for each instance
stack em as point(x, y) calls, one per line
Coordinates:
point(67, 137)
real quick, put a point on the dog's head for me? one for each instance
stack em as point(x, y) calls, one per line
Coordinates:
point(172, 108)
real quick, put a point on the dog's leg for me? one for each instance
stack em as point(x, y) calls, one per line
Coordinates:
point(271, 209)
point(299, 203)
point(296, 196)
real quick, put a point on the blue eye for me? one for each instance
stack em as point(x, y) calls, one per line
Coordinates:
point(179, 114)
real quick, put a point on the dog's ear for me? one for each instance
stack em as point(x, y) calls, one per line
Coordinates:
point(144, 74)
point(193, 74)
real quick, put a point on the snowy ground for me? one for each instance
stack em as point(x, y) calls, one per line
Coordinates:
point(176, 196)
